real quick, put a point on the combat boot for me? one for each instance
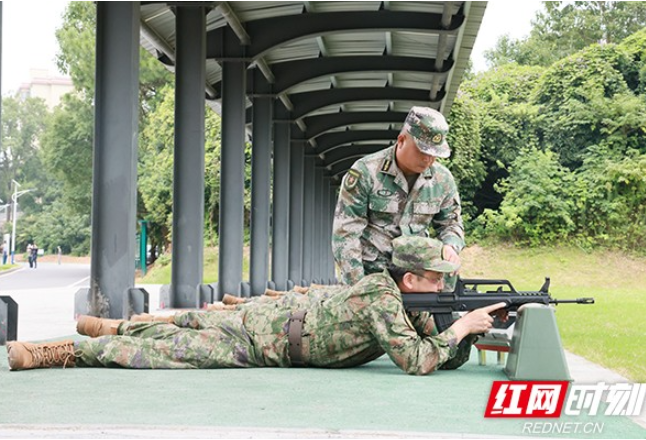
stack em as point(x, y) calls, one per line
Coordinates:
point(232, 300)
point(219, 306)
point(274, 293)
point(94, 327)
point(147, 317)
point(25, 355)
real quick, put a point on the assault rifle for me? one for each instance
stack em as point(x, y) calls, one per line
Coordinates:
point(467, 297)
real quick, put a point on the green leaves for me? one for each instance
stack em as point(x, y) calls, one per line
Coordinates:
point(564, 145)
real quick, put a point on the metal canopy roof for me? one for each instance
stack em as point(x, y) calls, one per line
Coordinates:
point(347, 72)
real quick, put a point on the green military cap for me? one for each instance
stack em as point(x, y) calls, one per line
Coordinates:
point(429, 129)
point(420, 253)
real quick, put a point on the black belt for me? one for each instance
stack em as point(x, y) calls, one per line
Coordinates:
point(294, 337)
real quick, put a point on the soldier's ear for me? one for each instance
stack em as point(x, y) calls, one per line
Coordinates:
point(408, 280)
point(401, 139)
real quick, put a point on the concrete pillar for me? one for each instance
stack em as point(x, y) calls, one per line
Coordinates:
point(296, 183)
point(280, 233)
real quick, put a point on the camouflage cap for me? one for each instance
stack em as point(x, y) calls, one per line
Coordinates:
point(420, 253)
point(429, 129)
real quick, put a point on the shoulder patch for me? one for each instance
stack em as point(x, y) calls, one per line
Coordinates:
point(351, 179)
point(386, 165)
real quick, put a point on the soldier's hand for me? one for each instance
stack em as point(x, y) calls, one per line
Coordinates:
point(479, 320)
point(449, 254)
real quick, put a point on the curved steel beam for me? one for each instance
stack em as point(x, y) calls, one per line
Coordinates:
point(308, 102)
point(289, 74)
point(338, 154)
point(222, 43)
point(319, 124)
point(330, 141)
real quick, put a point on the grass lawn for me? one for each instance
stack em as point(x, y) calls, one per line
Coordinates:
point(611, 332)
point(161, 274)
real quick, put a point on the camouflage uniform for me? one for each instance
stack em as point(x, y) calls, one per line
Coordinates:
point(345, 329)
point(375, 206)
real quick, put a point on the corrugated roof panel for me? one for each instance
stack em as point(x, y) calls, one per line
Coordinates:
point(404, 106)
point(344, 6)
point(355, 43)
point(368, 126)
point(325, 110)
point(215, 20)
point(450, 44)
point(361, 80)
point(412, 44)
point(407, 84)
point(150, 12)
point(298, 50)
point(367, 106)
point(249, 11)
point(474, 12)
point(309, 86)
point(424, 80)
point(213, 72)
point(370, 142)
point(428, 7)
point(162, 20)
point(336, 130)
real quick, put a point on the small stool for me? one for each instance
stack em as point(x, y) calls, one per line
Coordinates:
point(500, 350)
point(498, 340)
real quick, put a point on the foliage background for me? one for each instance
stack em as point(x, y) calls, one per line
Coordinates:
point(548, 144)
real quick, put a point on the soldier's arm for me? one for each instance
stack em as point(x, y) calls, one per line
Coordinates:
point(399, 339)
point(350, 219)
point(423, 323)
point(462, 354)
point(448, 221)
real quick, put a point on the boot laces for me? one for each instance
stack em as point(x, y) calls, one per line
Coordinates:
point(53, 355)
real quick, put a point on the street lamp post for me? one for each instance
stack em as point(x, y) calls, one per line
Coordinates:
point(3, 208)
point(14, 200)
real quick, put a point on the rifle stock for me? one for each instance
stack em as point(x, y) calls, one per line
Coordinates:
point(467, 297)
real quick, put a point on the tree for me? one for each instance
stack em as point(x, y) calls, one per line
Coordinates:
point(22, 123)
point(610, 195)
point(563, 28)
point(156, 168)
point(572, 26)
point(507, 122)
point(56, 226)
point(77, 43)
point(538, 201)
point(465, 162)
point(68, 142)
point(635, 74)
point(67, 148)
point(586, 101)
point(525, 52)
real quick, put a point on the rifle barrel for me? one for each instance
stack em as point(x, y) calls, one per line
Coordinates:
point(573, 301)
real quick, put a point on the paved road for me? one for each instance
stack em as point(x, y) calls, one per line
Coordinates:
point(45, 297)
point(46, 276)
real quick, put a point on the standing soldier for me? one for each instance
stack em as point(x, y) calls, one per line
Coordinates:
point(400, 190)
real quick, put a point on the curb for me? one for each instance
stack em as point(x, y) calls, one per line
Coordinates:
point(8, 271)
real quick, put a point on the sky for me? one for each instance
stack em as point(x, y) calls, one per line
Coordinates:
point(502, 17)
point(28, 39)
